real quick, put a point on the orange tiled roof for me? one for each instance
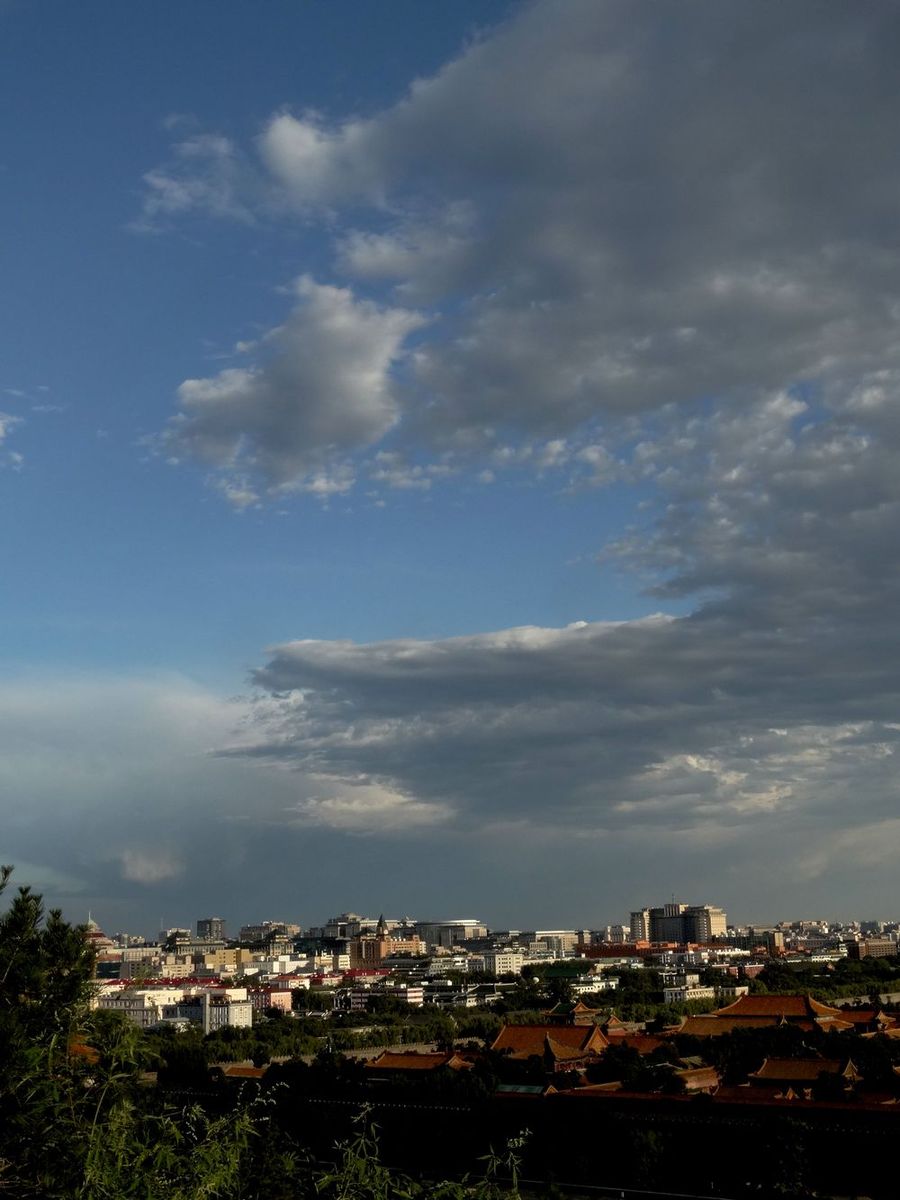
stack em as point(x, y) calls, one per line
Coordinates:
point(523, 1041)
point(644, 1043)
point(801, 1070)
point(699, 1079)
point(868, 1016)
point(790, 1007)
point(713, 1026)
point(238, 1071)
point(398, 1060)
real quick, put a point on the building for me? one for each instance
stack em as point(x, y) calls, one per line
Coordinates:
point(872, 948)
point(680, 995)
point(370, 949)
point(142, 1006)
point(560, 1047)
point(758, 1012)
point(448, 933)
point(268, 931)
point(503, 962)
point(679, 923)
point(392, 1064)
point(703, 922)
point(263, 998)
point(640, 925)
point(211, 929)
point(213, 1010)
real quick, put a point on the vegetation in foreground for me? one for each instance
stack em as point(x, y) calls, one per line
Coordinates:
point(77, 1119)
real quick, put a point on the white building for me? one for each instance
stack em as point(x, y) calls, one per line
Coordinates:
point(504, 962)
point(678, 995)
point(143, 1006)
point(211, 1010)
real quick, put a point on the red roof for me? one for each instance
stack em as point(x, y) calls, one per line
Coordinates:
point(236, 1071)
point(565, 1041)
point(789, 1007)
point(392, 1060)
point(713, 1026)
point(644, 1043)
point(801, 1070)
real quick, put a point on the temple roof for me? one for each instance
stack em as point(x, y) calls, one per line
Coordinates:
point(562, 1041)
point(790, 1007)
point(802, 1070)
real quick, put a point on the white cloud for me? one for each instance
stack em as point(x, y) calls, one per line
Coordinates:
point(150, 866)
point(325, 388)
point(205, 175)
point(8, 423)
point(609, 227)
point(362, 807)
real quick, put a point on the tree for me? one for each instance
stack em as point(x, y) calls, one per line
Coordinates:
point(74, 1120)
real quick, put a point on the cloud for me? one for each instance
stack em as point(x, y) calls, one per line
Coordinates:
point(109, 786)
point(150, 866)
point(101, 776)
point(358, 807)
point(765, 720)
point(206, 174)
point(324, 389)
point(631, 207)
point(8, 423)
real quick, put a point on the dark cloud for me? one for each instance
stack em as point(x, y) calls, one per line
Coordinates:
point(656, 244)
point(768, 714)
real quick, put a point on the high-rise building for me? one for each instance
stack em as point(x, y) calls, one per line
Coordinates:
point(667, 924)
point(640, 925)
point(211, 929)
point(675, 922)
point(703, 922)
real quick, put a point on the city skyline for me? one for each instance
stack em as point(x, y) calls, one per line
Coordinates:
point(449, 456)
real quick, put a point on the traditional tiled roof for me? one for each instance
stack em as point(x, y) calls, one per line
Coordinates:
point(893, 1032)
point(578, 1013)
point(699, 1079)
point(237, 1071)
point(524, 1041)
point(524, 1089)
point(873, 1018)
point(802, 1007)
point(802, 1070)
point(713, 1026)
point(393, 1060)
point(644, 1043)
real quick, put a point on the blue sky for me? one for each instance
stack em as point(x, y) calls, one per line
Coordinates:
point(362, 364)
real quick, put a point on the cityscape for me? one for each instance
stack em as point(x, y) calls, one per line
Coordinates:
point(449, 656)
point(352, 960)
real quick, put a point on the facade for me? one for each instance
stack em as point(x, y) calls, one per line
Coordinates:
point(143, 1007)
point(211, 1011)
point(679, 995)
point(369, 950)
point(448, 933)
point(872, 948)
point(640, 925)
point(504, 962)
point(680, 923)
point(211, 929)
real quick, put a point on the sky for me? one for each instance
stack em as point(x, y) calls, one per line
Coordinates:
point(450, 458)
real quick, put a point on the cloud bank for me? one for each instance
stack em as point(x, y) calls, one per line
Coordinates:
point(767, 717)
point(601, 209)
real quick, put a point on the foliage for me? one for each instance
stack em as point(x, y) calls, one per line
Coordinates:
point(359, 1174)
